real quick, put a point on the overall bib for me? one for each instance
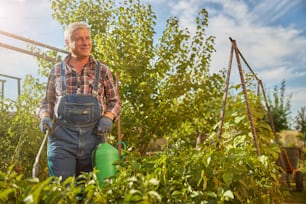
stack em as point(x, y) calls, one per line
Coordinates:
point(72, 142)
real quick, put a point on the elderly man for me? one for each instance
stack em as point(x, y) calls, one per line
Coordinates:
point(80, 104)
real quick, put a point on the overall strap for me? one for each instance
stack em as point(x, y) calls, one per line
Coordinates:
point(96, 83)
point(63, 78)
point(97, 79)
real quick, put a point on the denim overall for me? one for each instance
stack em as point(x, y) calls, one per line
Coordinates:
point(72, 142)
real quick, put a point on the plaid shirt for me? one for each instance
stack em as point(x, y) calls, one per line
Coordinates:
point(81, 84)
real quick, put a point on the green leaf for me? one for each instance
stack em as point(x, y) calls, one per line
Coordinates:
point(4, 195)
point(227, 178)
point(155, 195)
point(228, 195)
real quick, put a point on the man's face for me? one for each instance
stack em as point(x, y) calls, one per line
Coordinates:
point(80, 43)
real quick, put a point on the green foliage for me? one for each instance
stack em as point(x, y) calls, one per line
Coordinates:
point(218, 171)
point(16, 189)
point(300, 121)
point(166, 91)
point(280, 107)
point(162, 85)
point(225, 170)
point(20, 134)
point(231, 173)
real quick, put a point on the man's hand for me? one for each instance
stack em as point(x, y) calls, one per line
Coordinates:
point(45, 123)
point(104, 126)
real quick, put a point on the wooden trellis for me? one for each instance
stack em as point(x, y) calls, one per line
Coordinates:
point(235, 51)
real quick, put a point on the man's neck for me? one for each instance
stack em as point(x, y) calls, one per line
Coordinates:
point(78, 62)
point(77, 59)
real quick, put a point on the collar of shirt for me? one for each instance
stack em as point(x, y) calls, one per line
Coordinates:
point(92, 60)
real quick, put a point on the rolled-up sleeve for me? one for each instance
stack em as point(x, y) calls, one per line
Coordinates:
point(112, 99)
point(47, 103)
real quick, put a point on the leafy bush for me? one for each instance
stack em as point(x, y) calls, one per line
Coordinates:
point(19, 132)
point(229, 173)
point(219, 170)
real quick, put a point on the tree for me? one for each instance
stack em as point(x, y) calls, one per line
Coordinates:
point(300, 120)
point(280, 107)
point(164, 87)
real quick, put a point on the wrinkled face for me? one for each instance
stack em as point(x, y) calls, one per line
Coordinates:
point(80, 43)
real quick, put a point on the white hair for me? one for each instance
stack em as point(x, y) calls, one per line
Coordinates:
point(72, 27)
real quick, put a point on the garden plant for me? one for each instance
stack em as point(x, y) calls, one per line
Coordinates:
point(167, 92)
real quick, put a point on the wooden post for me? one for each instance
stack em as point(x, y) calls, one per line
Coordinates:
point(246, 98)
point(225, 93)
point(118, 120)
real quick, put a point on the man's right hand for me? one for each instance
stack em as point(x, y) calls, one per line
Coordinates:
point(45, 123)
point(104, 125)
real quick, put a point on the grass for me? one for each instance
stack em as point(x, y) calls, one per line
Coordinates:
point(296, 197)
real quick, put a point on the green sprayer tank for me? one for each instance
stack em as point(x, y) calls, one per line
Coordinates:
point(104, 158)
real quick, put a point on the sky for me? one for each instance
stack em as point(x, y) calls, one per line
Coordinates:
point(271, 35)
